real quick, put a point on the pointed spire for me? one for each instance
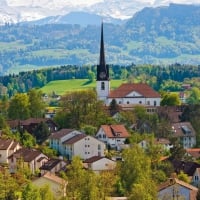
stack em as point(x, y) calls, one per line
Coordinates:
point(102, 53)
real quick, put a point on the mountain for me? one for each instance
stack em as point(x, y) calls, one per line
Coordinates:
point(81, 18)
point(15, 11)
point(161, 35)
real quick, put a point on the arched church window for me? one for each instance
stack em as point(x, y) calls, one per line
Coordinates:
point(102, 86)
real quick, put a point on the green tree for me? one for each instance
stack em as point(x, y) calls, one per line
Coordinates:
point(8, 186)
point(194, 97)
point(30, 192)
point(28, 140)
point(81, 108)
point(184, 177)
point(41, 132)
point(36, 104)
point(45, 193)
point(19, 107)
point(135, 163)
point(170, 99)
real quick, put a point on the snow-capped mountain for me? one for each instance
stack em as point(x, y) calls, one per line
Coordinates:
point(14, 11)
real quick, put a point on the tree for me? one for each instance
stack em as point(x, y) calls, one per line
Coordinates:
point(81, 108)
point(45, 193)
point(30, 192)
point(135, 173)
point(194, 97)
point(19, 107)
point(28, 140)
point(36, 104)
point(170, 99)
point(41, 132)
point(113, 107)
point(184, 177)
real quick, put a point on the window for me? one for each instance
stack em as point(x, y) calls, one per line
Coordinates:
point(140, 102)
point(99, 147)
point(154, 103)
point(127, 102)
point(148, 102)
point(102, 86)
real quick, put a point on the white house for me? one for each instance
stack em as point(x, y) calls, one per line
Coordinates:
point(185, 133)
point(113, 135)
point(163, 142)
point(71, 143)
point(31, 158)
point(57, 138)
point(99, 164)
point(7, 148)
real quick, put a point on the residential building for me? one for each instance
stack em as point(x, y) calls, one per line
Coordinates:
point(98, 164)
point(53, 165)
point(71, 143)
point(194, 153)
point(163, 142)
point(31, 124)
point(128, 93)
point(176, 189)
point(113, 135)
point(196, 178)
point(185, 133)
point(57, 185)
point(31, 158)
point(7, 148)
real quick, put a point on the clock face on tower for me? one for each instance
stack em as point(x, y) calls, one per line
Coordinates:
point(102, 75)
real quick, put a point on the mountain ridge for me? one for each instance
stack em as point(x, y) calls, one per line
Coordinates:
point(16, 11)
point(151, 36)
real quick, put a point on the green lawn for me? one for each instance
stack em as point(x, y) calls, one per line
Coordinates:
point(63, 86)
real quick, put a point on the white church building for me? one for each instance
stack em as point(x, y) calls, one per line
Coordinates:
point(127, 93)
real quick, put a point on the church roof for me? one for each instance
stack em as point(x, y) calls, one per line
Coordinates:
point(141, 88)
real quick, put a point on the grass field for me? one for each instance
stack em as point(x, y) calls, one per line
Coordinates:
point(63, 86)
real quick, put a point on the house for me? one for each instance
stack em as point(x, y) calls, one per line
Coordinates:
point(98, 164)
point(188, 167)
point(163, 142)
point(31, 158)
point(193, 153)
point(57, 185)
point(176, 189)
point(31, 124)
point(196, 177)
point(127, 93)
point(185, 133)
point(113, 135)
point(7, 147)
point(69, 143)
point(53, 165)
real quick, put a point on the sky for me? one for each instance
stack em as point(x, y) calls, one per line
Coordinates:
point(90, 2)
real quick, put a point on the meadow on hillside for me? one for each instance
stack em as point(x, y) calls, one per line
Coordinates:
point(62, 86)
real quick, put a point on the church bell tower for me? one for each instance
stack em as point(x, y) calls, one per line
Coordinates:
point(103, 80)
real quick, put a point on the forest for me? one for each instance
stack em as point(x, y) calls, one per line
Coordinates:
point(161, 78)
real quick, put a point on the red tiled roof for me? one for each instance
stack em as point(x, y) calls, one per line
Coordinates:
point(113, 131)
point(75, 139)
point(194, 152)
point(141, 88)
point(59, 134)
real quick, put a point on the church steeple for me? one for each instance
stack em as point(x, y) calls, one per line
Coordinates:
point(102, 61)
point(102, 68)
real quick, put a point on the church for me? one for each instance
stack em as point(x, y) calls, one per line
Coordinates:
point(127, 93)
